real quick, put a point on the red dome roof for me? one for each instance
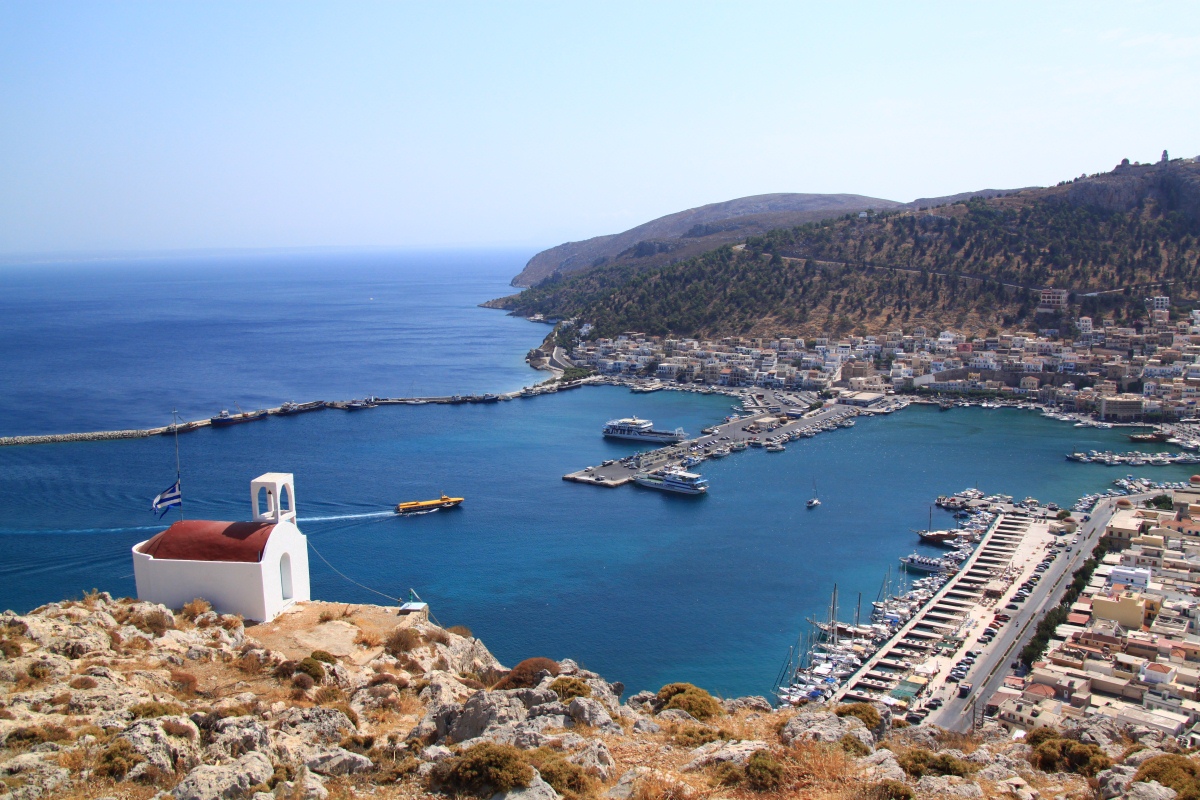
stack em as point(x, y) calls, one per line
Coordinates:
point(1196, 479)
point(206, 540)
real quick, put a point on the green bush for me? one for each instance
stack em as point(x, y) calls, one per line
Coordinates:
point(692, 699)
point(312, 668)
point(919, 762)
point(153, 709)
point(890, 790)
point(525, 674)
point(864, 711)
point(567, 688)
point(484, 769)
point(1067, 755)
point(763, 772)
point(694, 736)
point(323, 656)
point(569, 780)
point(1178, 772)
point(1041, 734)
point(854, 746)
point(728, 773)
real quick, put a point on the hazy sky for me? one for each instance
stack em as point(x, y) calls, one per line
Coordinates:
point(130, 126)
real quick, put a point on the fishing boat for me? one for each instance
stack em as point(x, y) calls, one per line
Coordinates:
point(225, 419)
point(428, 505)
point(738, 446)
point(775, 447)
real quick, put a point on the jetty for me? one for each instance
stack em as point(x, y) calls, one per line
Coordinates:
point(308, 407)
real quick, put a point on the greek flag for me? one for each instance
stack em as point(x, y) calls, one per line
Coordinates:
point(167, 499)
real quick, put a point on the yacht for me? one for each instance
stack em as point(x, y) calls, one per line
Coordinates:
point(641, 430)
point(672, 480)
point(920, 563)
point(815, 501)
point(720, 452)
point(775, 447)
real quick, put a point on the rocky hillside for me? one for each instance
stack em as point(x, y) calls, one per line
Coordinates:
point(118, 698)
point(974, 265)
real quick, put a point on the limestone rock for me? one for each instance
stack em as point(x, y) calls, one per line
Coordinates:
point(947, 786)
point(436, 753)
point(596, 759)
point(1142, 756)
point(166, 743)
point(629, 781)
point(678, 715)
point(233, 737)
point(444, 688)
point(755, 703)
point(486, 710)
point(644, 725)
point(315, 724)
point(587, 711)
point(719, 751)
point(436, 723)
point(538, 789)
point(642, 701)
point(532, 698)
point(37, 774)
point(338, 761)
point(553, 708)
point(229, 781)
point(1114, 781)
point(882, 765)
point(306, 786)
point(824, 726)
point(1152, 790)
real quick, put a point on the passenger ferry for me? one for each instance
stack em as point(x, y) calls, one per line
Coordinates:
point(641, 430)
point(672, 480)
point(919, 563)
point(428, 505)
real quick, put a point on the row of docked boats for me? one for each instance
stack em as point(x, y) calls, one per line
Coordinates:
point(1133, 458)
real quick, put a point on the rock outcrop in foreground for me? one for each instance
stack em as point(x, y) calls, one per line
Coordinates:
point(118, 698)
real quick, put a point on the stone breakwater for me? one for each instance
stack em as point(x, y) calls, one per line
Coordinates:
point(95, 436)
point(104, 698)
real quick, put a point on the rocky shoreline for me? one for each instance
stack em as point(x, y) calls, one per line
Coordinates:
point(107, 698)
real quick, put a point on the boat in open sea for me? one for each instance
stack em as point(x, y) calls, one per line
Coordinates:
point(673, 480)
point(641, 430)
point(428, 505)
point(225, 419)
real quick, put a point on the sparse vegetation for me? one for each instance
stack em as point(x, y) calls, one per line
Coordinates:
point(195, 608)
point(1176, 771)
point(525, 674)
point(1057, 754)
point(401, 640)
point(863, 711)
point(153, 709)
point(692, 699)
point(312, 668)
point(117, 759)
point(323, 656)
point(919, 762)
point(890, 790)
point(461, 630)
point(854, 746)
point(567, 687)
point(83, 682)
point(764, 773)
point(569, 780)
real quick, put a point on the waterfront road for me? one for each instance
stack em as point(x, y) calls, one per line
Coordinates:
point(995, 664)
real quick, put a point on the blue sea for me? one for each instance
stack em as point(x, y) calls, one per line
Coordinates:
point(643, 587)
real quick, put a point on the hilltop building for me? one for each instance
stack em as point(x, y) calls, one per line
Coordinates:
point(256, 568)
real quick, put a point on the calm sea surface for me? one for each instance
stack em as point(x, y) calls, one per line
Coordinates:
point(643, 587)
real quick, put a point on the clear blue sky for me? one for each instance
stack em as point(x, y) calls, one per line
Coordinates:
point(145, 126)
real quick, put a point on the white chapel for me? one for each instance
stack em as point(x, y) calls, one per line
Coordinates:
point(256, 568)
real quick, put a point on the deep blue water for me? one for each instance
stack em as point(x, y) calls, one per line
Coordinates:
point(645, 588)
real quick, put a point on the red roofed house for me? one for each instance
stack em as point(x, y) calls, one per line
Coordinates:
point(256, 569)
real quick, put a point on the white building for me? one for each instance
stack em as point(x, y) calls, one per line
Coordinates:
point(256, 568)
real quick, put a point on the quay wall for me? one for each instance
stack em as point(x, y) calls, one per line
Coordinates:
point(94, 436)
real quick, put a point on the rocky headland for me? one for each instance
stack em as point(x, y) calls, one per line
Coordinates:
point(116, 698)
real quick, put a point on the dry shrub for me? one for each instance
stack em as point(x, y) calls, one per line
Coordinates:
point(155, 622)
point(1052, 753)
point(358, 743)
point(461, 630)
point(525, 674)
point(39, 670)
point(195, 608)
point(484, 769)
point(696, 735)
point(863, 711)
point(186, 682)
point(117, 759)
point(919, 762)
point(350, 713)
point(36, 734)
point(889, 790)
point(250, 663)
point(329, 695)
point(854, 746)
point(6, 714)
point(174, 727)
point(437, 635)
point(83, 682)
point(407, 702)
point(328, 615)
point(138, 643)
point(818, 763)
point(154, 709)
point(368, 639)
point(728, 773)
point(764, 773)
point(1041, 733)
point(692, 699)
point(303, 681)
point(402, 640)
point(15, 627)
point(568, 688)
point(654, 786)
point(313, 668)
point(10, 649)
point(569, 780)
point(231, 622)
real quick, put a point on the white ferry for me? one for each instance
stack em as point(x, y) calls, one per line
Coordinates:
point(919, 563)
point(641, 430)
point(672, 480)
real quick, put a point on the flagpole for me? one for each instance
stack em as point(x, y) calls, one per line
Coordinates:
point(175, 425)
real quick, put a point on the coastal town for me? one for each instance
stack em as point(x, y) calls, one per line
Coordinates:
point(1116, 373)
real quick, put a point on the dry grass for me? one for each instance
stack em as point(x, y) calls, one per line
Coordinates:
point(195, 608)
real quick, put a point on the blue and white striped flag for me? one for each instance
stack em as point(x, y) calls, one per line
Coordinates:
point(167, 499)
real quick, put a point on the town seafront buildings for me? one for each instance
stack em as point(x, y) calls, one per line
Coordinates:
point(1118, 373)
point(1130, 646)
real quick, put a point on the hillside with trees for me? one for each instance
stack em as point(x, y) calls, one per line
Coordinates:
point(974, 265)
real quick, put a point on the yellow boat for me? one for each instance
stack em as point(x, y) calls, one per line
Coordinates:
point(428, 505)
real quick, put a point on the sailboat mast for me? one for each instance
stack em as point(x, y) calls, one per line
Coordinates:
point(178, 473)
